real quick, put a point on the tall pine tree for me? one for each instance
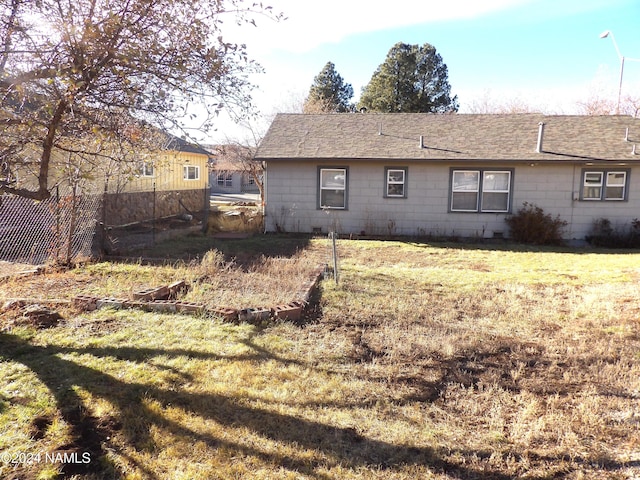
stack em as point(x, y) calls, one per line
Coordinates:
point(412, 78)
point(329, 93)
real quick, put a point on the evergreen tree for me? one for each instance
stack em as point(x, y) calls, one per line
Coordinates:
point(329, 93)
point(412, 78)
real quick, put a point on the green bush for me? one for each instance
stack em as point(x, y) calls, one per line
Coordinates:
point(532, 225)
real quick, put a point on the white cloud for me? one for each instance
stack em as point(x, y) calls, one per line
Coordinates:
point(288, 50)
point(313, 23)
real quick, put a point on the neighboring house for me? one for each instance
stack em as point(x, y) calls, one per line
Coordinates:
point(141, 186)
point(173, 180)
point(232, 170)
point(179, 165)
point(447, 175)
point(174, 165)
point(130, 187)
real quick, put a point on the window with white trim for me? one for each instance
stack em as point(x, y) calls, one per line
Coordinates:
point(395, 182)
point(496, 186)
point(481, 190)
point(191, 172)
point(601, 185)
point(332, 188)
point(225, 179)
point(147, 170)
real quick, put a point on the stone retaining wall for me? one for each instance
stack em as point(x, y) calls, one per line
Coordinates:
point(133, 207)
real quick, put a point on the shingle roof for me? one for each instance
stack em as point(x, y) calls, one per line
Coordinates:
point(181, 145)
point(456, 137)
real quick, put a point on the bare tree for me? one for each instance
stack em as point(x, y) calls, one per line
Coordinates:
point(486, 104)
point(240, 154)
point(598, 105)
point(317, 105)
point(72, 72)
point(236, 156)
point(630, 106)
point(595, 105)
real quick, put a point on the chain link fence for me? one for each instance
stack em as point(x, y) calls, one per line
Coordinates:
point(70, 226)
point(60, 229)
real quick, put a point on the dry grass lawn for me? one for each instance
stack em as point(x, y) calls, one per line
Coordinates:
point(425, 361)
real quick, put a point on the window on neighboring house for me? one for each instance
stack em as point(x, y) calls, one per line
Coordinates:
point(395, 182)
point(333, 185)
point(481, 190)
point(147, 170)
point(190, 172)
point(225, 179)
point(604, 184)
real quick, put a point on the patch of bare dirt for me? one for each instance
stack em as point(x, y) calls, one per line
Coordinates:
point(19, 313)
point(43, 288)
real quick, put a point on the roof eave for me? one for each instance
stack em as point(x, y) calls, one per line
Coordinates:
point(566, 159)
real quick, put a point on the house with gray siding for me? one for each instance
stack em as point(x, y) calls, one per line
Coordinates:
point(447, 175)
point(232, 170)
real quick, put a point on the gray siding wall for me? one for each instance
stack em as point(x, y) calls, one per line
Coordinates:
point(240, 184)
point(292, 189)
point(235, 187)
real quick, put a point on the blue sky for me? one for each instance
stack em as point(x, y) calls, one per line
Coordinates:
point(544, 53)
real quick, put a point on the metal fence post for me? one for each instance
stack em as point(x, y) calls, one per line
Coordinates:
point(153, 220)
point(207, 204)
point(58, 238)
point(103, 221)
point(335, 257)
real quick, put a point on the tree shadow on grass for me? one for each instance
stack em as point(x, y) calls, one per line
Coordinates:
point(336, 445)
point(241, 250)
point(505, 245)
